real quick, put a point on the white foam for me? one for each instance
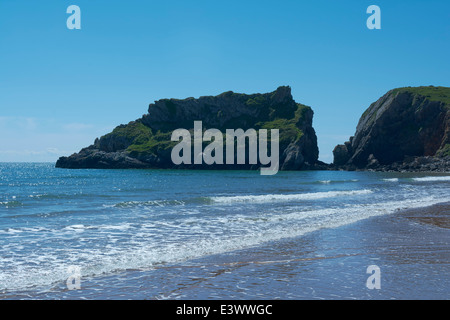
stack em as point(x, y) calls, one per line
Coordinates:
point(76, 227)
point(426, 179)
point(21, 230)
point(288, 197)
point(391, 180)
point(13, 203)
point(13, 231)
point(159, 203)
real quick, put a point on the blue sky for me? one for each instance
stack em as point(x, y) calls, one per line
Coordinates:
point(61, 88)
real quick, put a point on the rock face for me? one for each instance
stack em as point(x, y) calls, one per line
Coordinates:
point(406, 129)
point(146, 142)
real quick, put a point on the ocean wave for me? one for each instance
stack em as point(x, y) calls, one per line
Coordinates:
point(431, 179)
point(335, 181)
point(391, 180)
point(150, 203)
point(239, 199)
point(289, 197)
point(23, 230)
point(9, 204)
point(62, 196)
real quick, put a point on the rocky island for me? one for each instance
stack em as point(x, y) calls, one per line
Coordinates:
point(407, 129)
point(146, 142)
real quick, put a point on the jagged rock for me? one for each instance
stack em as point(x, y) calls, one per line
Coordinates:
point(341, 154)
point(404, 130)
point(146, 142)
point(372, 162)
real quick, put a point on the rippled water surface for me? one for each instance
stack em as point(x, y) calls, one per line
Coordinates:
point(162, 234)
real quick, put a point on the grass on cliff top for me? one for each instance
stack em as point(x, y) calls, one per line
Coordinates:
point(134, 131)
point(431, 93)
point(158, 142)
point(141, 138)
point(145, 142)
point(289, 131)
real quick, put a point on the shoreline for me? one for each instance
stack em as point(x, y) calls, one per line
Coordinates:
point(438, 215)
point(329, 263)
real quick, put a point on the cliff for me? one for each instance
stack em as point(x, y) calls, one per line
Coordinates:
point(406, 129)
point(146, 142)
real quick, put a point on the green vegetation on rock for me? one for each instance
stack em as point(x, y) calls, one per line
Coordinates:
point(432, 93)
point(445, 151)
point(135, 131)
point(155, 144)
point(289, 130)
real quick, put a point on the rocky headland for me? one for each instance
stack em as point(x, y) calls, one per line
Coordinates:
point(407, 129)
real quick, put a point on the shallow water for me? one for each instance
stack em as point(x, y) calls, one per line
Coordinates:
point(163, 234)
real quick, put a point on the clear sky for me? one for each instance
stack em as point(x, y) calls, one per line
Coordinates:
point(61, 88)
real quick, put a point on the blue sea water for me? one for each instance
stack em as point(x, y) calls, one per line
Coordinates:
point(180, 234)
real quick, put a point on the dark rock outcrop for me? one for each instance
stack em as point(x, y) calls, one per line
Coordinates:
point(146, 142)
point(406, 129)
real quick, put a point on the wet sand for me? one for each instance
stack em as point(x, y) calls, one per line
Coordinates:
point(437, 215)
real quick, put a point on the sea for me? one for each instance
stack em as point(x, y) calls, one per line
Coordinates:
point(204, 234)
